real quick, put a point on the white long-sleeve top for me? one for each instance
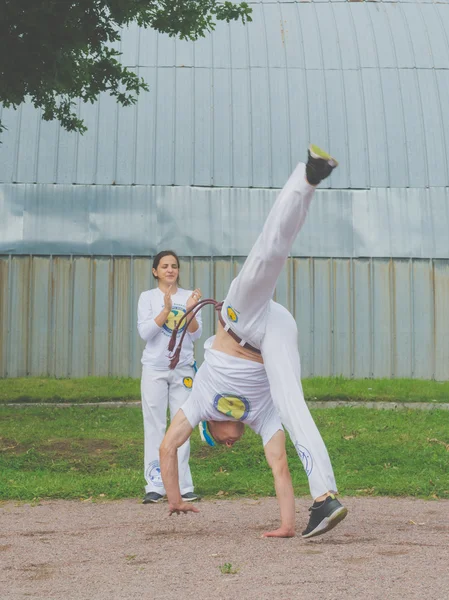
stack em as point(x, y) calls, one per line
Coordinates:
point(155, 354)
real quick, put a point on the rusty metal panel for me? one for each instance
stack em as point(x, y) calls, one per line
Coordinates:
point(202, 272)
point(186, 274)
point(441, 283)
point(303, 311)
point(123, 317)
point(40, 316)
point(101, 311)
point(4, 316)
point(361, 321)
point(73, 317)
point(322, 333)
point(238, 262)
point(79, 324)
point(223, 276)
point(402, 318)
point(19, 317)
point(62, 292)
point(141, 280)
point(382, 319)
point(341, 317)
point(423, 324)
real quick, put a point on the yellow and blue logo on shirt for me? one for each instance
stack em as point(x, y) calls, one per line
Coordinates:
point(176, 314)
point(232, 314)
point(236, 407)
point(187, 382)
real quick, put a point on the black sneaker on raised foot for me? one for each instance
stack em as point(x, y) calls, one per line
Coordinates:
point(152, 498)
point(190, 497)
point(319, 165)
point(324, 516)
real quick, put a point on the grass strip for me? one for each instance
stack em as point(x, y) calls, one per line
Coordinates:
point(106, 389)
point(98, 453)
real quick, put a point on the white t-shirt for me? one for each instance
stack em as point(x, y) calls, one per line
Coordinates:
point(155, 354)
point(228, 388)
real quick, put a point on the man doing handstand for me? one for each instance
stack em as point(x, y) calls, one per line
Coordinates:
point(251, 372)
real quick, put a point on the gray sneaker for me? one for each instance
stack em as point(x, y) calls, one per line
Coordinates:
point(191, 497)
point(319, 166)
point(324, 516)
point(152, 498)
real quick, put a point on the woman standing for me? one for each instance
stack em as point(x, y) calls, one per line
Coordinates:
point(158, 311)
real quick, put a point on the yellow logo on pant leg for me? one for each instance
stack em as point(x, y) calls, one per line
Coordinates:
point(232, 314)
point(236, 407)
point(188, 382)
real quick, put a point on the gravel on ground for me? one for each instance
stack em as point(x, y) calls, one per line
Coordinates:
point(386, 549)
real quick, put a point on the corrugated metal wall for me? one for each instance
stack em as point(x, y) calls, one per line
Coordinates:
point(140, 220)
point(367, 80)
point(76, 316)
point(194, 165)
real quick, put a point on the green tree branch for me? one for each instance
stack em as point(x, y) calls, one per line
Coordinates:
point(56, 51)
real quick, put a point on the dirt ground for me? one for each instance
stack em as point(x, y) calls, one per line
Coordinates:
point(385, 549)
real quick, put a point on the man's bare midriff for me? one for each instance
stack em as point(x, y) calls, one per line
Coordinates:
point(225, 343)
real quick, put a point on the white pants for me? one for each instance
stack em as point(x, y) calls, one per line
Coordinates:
point(162, 389)
point(250, 312)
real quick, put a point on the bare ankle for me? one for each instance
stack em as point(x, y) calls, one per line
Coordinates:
point(323, 497)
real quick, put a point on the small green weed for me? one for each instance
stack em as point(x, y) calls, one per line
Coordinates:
point(228, 569)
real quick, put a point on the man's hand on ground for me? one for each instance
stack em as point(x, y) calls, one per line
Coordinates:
point(282, 532)
point(182, 507)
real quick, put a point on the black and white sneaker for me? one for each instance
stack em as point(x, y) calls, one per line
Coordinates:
point(152, 498)
point(324, 516)
point(319, 165)
point(190, 497)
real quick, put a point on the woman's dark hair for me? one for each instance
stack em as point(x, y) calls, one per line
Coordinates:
point(160, 256)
